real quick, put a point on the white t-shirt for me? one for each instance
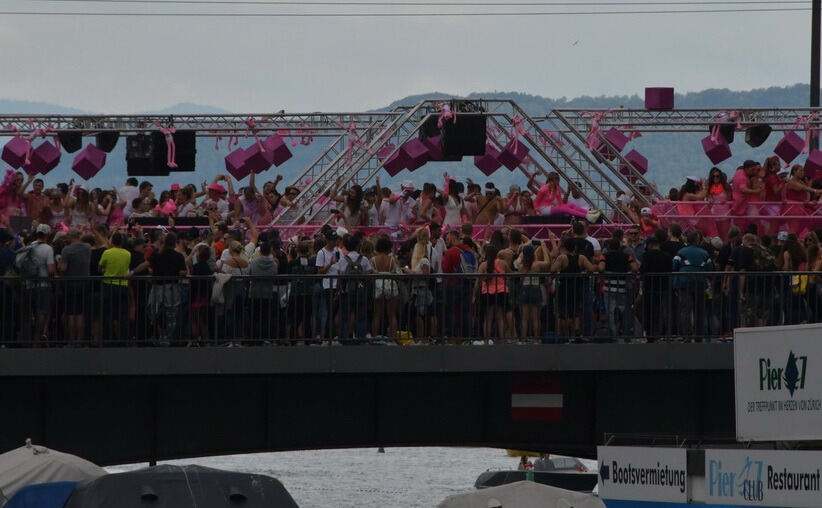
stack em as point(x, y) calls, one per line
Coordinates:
point(323, 258)
point(595, 243)
point(128, 193)
point(222, 206)
point(392, 213)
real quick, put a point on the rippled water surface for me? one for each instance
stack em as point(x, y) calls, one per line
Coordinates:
point(364, 478)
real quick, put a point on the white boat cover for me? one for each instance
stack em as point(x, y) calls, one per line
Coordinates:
point(522, 494)
point(30, 465)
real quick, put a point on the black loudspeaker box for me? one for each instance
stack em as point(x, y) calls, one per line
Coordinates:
point(466, 136)
point(106, 141)
point(755, 135)
point(70, 141)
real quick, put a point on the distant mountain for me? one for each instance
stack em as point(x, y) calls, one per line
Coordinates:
point(189, 108)
point(671, 156)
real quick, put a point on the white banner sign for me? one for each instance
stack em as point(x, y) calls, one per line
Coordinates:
point(778, 380)
point(763, 478)
point(642, 474)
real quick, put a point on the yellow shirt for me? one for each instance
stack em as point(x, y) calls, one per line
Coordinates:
point(115, 262)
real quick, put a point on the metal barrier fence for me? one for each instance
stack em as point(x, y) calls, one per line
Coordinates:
point(400, 309)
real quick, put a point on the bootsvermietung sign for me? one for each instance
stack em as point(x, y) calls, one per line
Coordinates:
point(778, 382)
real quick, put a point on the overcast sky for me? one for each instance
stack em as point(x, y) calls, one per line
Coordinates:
point(348, 64)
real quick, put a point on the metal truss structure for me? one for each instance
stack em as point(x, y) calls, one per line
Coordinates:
point(557, 142)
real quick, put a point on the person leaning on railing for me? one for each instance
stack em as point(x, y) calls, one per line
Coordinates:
point(115, 263)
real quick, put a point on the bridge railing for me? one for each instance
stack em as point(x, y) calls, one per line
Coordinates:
point(404, 309)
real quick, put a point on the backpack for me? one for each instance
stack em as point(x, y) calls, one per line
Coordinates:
point(468, 262)
point(26, 263)
point(353, 272)
point(303, 286)
point(763, 260)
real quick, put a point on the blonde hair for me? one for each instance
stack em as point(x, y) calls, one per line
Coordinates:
point(421, 247)
point(235, 246)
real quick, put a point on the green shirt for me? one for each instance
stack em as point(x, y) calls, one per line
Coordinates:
point(115, 262)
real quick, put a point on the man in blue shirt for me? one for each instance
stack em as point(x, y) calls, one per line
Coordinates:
point(691, 286)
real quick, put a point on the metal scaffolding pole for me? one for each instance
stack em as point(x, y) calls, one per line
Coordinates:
point(815, 49)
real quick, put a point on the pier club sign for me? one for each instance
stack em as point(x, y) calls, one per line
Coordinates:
point(763, 478)
point(778, 381)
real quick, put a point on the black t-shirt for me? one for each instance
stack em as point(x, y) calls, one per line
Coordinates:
point(167, 263)
point(656, 261)
point(584, 247)
point(723, 257)
point(617, 261)
point(741, 259)
point(96, 254)
point(671, 247)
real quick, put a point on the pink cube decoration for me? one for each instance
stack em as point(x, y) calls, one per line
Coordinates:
point(789, 147)
point(512, 154)
point(637, 161)
point(395, 163)
point(434, 147)
point(235, 164)
point(659, 98)
point(813, 166)
point(14, 153)
point(489, 162)
point(616, 138)
point(258, 158)
point(718, 150)
point(89, 161)
point(415, 152)
point(44, 158)
point(276, 145)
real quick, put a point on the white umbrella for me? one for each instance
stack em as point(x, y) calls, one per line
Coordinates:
point(524, 494)
point(30, 465)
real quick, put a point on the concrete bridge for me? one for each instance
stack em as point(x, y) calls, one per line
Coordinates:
point(122, 405)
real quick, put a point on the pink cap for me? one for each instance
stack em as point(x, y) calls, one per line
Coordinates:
point(217, 187)
point(175, 186)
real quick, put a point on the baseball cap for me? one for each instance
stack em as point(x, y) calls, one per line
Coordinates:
point(43, 228)
point(175, 186)
point(692, 178)
point(217, 188)
point(748, 163)
point(646, 211)
point(331, 235)
point(782, 236)
point(783, 172)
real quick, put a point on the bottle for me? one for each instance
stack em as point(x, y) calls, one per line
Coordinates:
point(529, 475)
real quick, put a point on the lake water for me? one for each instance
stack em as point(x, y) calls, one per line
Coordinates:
point(364, 478)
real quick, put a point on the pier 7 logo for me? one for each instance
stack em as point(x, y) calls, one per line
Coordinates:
point(745, 484)
point(790, 377)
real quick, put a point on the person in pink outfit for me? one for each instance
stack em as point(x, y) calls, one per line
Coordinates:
point(548, 200)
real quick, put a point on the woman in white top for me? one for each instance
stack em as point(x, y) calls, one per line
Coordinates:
point(454, 206)
point(386, 291)
point(352, 208)
point(236, 265)
point(420, 287)
point(80, 208)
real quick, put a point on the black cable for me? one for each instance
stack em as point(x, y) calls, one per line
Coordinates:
point(383, 14)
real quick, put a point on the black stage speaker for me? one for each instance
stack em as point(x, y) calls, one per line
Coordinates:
point(755, 135)
point(726, 130)
point(429, 127)
point(106, 141)
point(466, 136)
point(70, 141)
point(142, 156)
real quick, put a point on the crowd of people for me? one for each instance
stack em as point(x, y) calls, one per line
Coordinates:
point(405, 266)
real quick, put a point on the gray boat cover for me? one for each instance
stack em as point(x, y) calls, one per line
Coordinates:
point(522, 494)
point(32, 464)
point(170, 486)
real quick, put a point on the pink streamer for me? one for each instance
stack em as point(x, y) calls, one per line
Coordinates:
point(593, 139)
point(554, 137)
point(806, 123)
point(517, 130)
